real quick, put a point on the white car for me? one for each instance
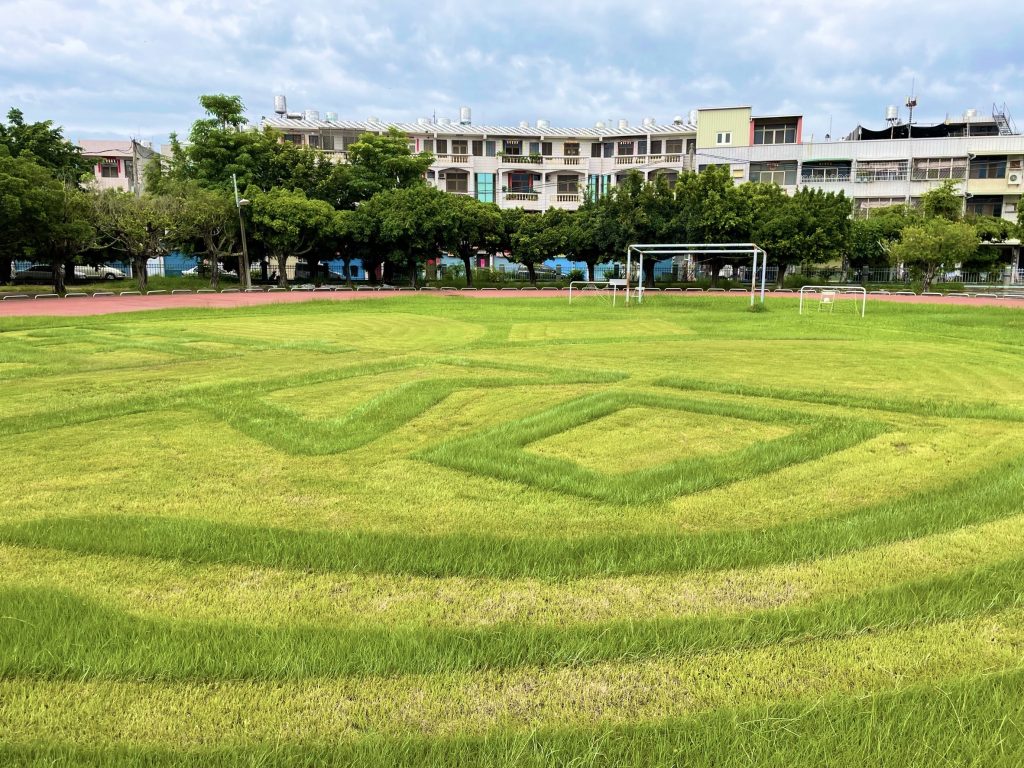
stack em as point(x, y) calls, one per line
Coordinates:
point(99, 273)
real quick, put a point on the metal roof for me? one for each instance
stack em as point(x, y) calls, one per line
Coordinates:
point(457, 129)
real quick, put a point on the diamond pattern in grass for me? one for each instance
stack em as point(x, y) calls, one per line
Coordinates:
point(639, 438)
point(502, 452)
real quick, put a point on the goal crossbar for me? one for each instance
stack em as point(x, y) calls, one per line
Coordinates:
point(837, 290)
point(661, 250)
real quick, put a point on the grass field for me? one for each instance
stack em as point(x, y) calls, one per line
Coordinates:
point(444, 531)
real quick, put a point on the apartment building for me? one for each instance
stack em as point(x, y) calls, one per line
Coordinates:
point(115, 162)
point(876, 168)
point(537, 166)
point(531, 166)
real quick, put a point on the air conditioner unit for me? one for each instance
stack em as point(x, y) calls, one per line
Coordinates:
point(1013, 178)
point(1010, 208)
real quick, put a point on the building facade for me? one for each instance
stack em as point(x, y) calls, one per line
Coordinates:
point(118, 163)
point(537, 167)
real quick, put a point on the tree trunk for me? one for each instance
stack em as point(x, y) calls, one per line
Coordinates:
point(649, 272)
point(927, 276)
point(591, 266)
point(411, 263)
point(214, 273)
point(780, 279)
point(58, 277)
point(467, 262)
point(282, 270)
point(346, 265)
point(531, 272)
point(141, 274)
point(716, 268)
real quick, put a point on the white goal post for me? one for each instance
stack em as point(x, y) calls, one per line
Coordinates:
point(836, 291)
point(598, 286)
point(660, 251)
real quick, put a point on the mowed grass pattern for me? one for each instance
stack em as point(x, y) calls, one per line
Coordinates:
point(438, 531)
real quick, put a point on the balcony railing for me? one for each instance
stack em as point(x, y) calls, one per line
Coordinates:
point(451, 159)
point(521, 196)
point(567, 197)
point(631, 159)
point(522, 159)
point(825, 178)
point(565, 160)
point(880, 175)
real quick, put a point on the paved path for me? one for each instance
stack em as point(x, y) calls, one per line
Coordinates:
point(102, 305)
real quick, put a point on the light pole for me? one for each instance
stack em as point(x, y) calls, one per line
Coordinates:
point(245, 277)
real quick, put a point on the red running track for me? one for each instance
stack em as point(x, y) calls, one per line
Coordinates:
point(103, 305)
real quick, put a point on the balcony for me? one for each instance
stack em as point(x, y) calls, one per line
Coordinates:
point(939, 174)
point(522, 159)
point(825, 178)
point(631, 159)
point(567, 197)
point(522, 196)
point(867, 176)
point(456, 159)
point(564, 160)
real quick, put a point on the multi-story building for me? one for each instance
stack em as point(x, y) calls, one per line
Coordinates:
point(538, 166)
point(879, 168)
point(118, 163)
point(534, 167)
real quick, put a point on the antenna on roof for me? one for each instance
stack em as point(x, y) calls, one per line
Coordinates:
point(911, 103)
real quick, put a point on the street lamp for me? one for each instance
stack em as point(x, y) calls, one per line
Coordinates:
point(246, 276)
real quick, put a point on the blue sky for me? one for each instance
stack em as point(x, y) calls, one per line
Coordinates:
point(114, 69)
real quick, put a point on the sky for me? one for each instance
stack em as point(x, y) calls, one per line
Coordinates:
point(113, 69)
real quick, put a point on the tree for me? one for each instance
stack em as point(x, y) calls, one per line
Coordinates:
point(811, 227)
point(943, 202)
point(378, 163)
point(226, 109)
point(872, 237)
point(134, 228)
point(45, 145)
point(538, 237)
point(471, 227)
point(642, 212)
point(205, 224)
point(288, 224)
point(409, 225)
point(935, 244)
point(590, 233)
point(712, 209)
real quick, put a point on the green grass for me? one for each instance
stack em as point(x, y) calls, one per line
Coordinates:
point(439, 531)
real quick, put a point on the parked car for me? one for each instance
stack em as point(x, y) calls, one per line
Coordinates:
point(542, 273)
point(196, 272)
point(37, 273)
point(99, 273)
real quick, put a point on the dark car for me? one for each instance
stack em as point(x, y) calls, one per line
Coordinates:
point(37, 273)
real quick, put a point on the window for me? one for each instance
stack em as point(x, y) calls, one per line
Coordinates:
point(985, 205)
point(568, 185)
point(293, 138)
point(428, 145)
point(442, 146)
point(571, 149)
point(817, 173)
point(128, 169)
point(625, 147)
point(673, 146)
point(936, 168)
point(490, 148)
point(598, 186)
point(609, 148)
point(724, 137)
point(108, 168)
point(520, 182)
point(655, 146)
point(641, 147)
point(456, 181)
point(775, 133)
point(512, 146)
point(988, 168)
point(328, 143)
point(314, 140)
point(781, 173)
point(534, 147)
point(460, 147)
point(545, 148)
point(478, 148)
point(881, 170)
point(485, 187)
point(595, 149)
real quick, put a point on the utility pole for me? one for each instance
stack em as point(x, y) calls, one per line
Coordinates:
point(135, 168)
point(245, 278)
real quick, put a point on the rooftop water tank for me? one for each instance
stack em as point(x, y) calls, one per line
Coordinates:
point(281, 104)
point(422, 121)
point(892, 113)
point(331, 117)
point(648, 122)
point(465, 116)
point(524, 123)
point(693, 117)
point(599, 125)
point(543, 124)
point(311, 114)
point(623, 124)
point(677, 120)
point(970, 115)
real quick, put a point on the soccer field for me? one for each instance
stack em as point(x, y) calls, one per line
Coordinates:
point(441, 531)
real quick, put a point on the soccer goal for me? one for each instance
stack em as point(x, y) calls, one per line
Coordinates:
point(659, 251)
point(606, 290)
point(828, 295)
